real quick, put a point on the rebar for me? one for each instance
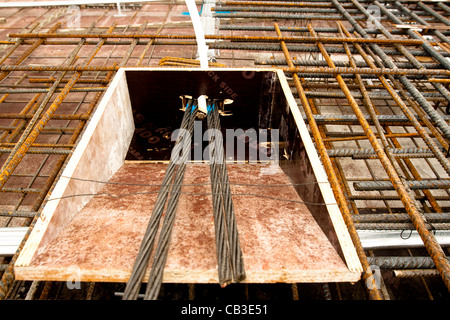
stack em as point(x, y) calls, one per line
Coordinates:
point(439, 121)
point(295, 39)
point(353, 152)
point(402, 262)
point(300, 48)
point(253, 15)
point(39, 90)
point(373, 291)
point(27, 52)
point(32, 131)
point(8, 276)
point(444, 7)
point(429, 48)
point(415, 273)
point(351, 119)
point(413, 35)
point(435, 14)
point(406, 83)
point(321, 63)
point(39, 151)
point(15, 213)
point(399, 226)
point(399, 217)
point(406, 196)
point(417, 185)
point(301, 29)
point(391, 197)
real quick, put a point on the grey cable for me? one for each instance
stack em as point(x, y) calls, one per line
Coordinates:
point(140, 266)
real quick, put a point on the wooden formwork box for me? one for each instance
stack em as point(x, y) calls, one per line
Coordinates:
point(89, 230)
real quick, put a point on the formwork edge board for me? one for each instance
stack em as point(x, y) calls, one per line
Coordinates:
point(341, 230)
point(185, 276)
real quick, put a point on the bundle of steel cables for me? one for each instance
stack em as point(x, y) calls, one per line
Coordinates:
point(229, 255)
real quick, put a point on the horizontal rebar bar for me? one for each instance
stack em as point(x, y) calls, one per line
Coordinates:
point(348, 152)
point(402, 262)
point(398, 155)
point(53, 117)
point(376, 71)
point(413, 184)
point(49, 130)
point(39, 151)
point(434, 96)
point(318, 63)
point(56, 68)
point(400, 226)
point(351, 119)
point(20, 190)
point(264, 3)
point(294, 39)
point(220, 9)
point(43, 90)
point(415, 273)
point(51, 80)
point(379, 197)
point(303, 48)
point(405, 262)
point(17, 213)
point(400, 217)
point(254, 15)
point(303, 29)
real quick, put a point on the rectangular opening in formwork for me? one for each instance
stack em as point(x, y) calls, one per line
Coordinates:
point(289, 226)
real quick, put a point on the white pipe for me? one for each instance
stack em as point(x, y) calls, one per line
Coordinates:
point(119, 10)
point(199, 34)
point(202, 48)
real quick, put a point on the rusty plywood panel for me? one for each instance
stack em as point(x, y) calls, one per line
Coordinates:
point(280, 240)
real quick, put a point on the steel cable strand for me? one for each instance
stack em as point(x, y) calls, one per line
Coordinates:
point(162, 249)
point(137, 274)
point(237, 262)
point(222, 247)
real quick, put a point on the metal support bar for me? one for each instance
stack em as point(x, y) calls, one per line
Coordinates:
point(386, 185)
point(402, 262)
point(417, 218)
